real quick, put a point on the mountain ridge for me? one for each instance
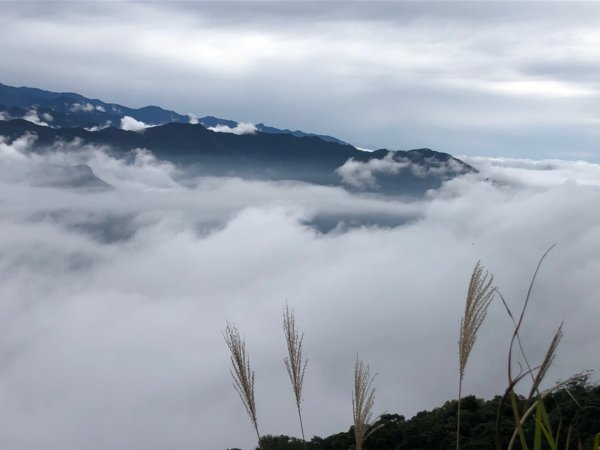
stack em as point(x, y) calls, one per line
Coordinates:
point(199, 150)
point(69, 109)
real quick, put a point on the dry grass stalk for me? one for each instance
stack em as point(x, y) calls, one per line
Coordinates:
point(547, 362)
point(294, 363)
point(516, 334)
point(243, 375)
point(479, 296)
point(363, 399)
point(537, 374)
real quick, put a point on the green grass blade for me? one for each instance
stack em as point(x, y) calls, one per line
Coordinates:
point(543, 422)
point(537, 440)
point(515, 407)
point(568, 443)
point(558, 431)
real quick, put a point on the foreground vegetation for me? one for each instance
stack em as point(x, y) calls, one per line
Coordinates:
point(564, 416)
point(575, 406)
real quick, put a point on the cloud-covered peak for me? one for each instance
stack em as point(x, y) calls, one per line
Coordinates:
point(239, 129)
point(131, 124)
point(360, 175)
point(368, 175)
point(84, 107)
point(32, 116)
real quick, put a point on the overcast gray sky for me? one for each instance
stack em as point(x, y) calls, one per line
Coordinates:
point(505, 79)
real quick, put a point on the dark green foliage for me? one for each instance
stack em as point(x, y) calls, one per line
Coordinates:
point(435, 429)
point(270, 442)
point(576, 405)
point(339, 441)
point(388, 432)
point(579, 407)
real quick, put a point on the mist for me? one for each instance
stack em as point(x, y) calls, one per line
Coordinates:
point(113, 298)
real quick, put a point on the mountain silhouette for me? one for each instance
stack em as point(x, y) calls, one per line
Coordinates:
point(198, 150)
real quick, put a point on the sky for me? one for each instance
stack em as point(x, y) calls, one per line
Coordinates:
point(478, 78)
point(113, 302)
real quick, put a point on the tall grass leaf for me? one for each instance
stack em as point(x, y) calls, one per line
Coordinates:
point(544, 422)
point(569, 431)
point(537, 438)
point(519, 425)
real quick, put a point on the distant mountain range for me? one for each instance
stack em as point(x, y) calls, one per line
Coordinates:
point(219, 147)
point(67, 109)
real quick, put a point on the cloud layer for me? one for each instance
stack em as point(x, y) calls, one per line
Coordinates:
point(113, 302)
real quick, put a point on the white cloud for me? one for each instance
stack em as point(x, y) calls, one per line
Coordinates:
point(32, 116)
point(107, 124)
point(432, 167)
point(362, 175)
point(100, 108)
point(144, 172)
point(17, 148)
point(240, 128)
point(114, 302)
point(141, 172)
point(85, 107)
point(540, 173)
point(4, 116)
point(130, 124)
point(47, 117)
point(193, 119)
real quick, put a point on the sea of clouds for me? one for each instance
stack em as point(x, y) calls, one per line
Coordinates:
point(113, 300)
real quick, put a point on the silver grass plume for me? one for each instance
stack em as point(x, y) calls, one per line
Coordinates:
point(242, 374)
point(294, 363)
point(363, 398)
point(479, 296)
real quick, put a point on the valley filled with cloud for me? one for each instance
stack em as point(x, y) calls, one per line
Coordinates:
point(119, 273)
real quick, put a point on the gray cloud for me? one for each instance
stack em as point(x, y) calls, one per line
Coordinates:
point(463, 78)
point(115, 340)
point(85, 107)
point(32, 116)
point(362, 175)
